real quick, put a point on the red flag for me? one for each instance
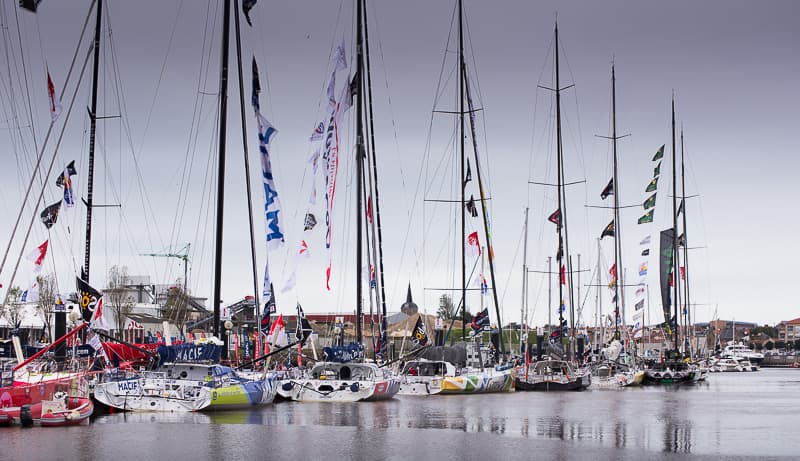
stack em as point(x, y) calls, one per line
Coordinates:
point(369, 209)
point(683, 273)
point(37, 256)
point(563, 275)
point(555, 218)
point(55, 102)
point(473, 246)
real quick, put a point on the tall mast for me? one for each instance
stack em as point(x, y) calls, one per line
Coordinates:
point(92, 138)
point(676, 260)
point(484, 211)
point(223, 119)
point(381, 288)
point(549, 295)
point(687, 303)
point(599, 296)
point(246, 160)
point(360, 152)
point(463, 172)
point(562, 228)
point(617, 233)
point(523, 304)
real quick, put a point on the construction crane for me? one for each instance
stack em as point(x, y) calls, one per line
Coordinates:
point(183, 255)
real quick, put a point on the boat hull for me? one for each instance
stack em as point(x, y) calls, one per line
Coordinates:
point(324, 390)
point(153, 394)
point(478, 383)
point(240, 396)
point(547, 385)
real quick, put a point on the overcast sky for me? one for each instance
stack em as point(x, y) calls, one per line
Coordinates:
point(731, 65)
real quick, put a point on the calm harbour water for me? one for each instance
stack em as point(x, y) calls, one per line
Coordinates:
point(747, 415)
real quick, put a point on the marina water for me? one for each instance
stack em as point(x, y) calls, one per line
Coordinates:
point(733, 415)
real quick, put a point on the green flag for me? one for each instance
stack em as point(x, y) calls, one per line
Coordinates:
point(648, 217)
point(650, 202)
point(657, 170)
point(652, 186)
point(659, 154)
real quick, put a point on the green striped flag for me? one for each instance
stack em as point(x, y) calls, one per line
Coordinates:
point(657, 170)
point(647, 217)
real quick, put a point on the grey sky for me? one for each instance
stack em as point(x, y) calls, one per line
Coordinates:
point(731, 64)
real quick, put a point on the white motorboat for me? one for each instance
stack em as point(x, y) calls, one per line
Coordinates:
point(739, 350)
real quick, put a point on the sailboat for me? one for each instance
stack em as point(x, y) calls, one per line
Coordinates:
point(612, 371)
point(558, 373)
point(673, 369)
point(344, 375)
point(484, 373)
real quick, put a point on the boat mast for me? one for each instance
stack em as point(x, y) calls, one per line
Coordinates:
point(562, 226)
point(463, 172)
point(523, 304)
point(223, 118)
point(484, 211)
point(381, 289)
point(599, 295)
point(687, 304)
point(675, 259)
point(92, 139)
point(617, 234)
point(246, 161)
point(360, 152)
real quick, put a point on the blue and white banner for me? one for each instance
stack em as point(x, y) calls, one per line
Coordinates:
point(189, 353)
point(272, 204)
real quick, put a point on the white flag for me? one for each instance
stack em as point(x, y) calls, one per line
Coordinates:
point(645, 241)
point(340, 57)
point(31, 295)
point(473, 248)
point(102, 319)
point(272, 204)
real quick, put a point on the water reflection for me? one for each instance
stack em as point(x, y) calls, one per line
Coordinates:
point(733, 415)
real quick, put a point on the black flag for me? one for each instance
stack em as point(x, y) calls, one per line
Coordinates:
point(29, 5)
point(88, 297)
point(420, 334)
point(608, 231)
point(50, 214)
point(248, 5)
point(256, 84)
point(69, 170)
point(310, 222)
point(303, 330)
point(468, 175)
point(609, 190)
point(473, 211)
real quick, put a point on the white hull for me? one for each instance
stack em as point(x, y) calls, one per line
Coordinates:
point(323, 390)
point(420, 386)
point(341, 382)
point(154, 394)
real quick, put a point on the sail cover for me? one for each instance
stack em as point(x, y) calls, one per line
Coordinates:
point(666, 255)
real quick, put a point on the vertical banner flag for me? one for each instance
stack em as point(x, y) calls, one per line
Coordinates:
point(88, 298)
